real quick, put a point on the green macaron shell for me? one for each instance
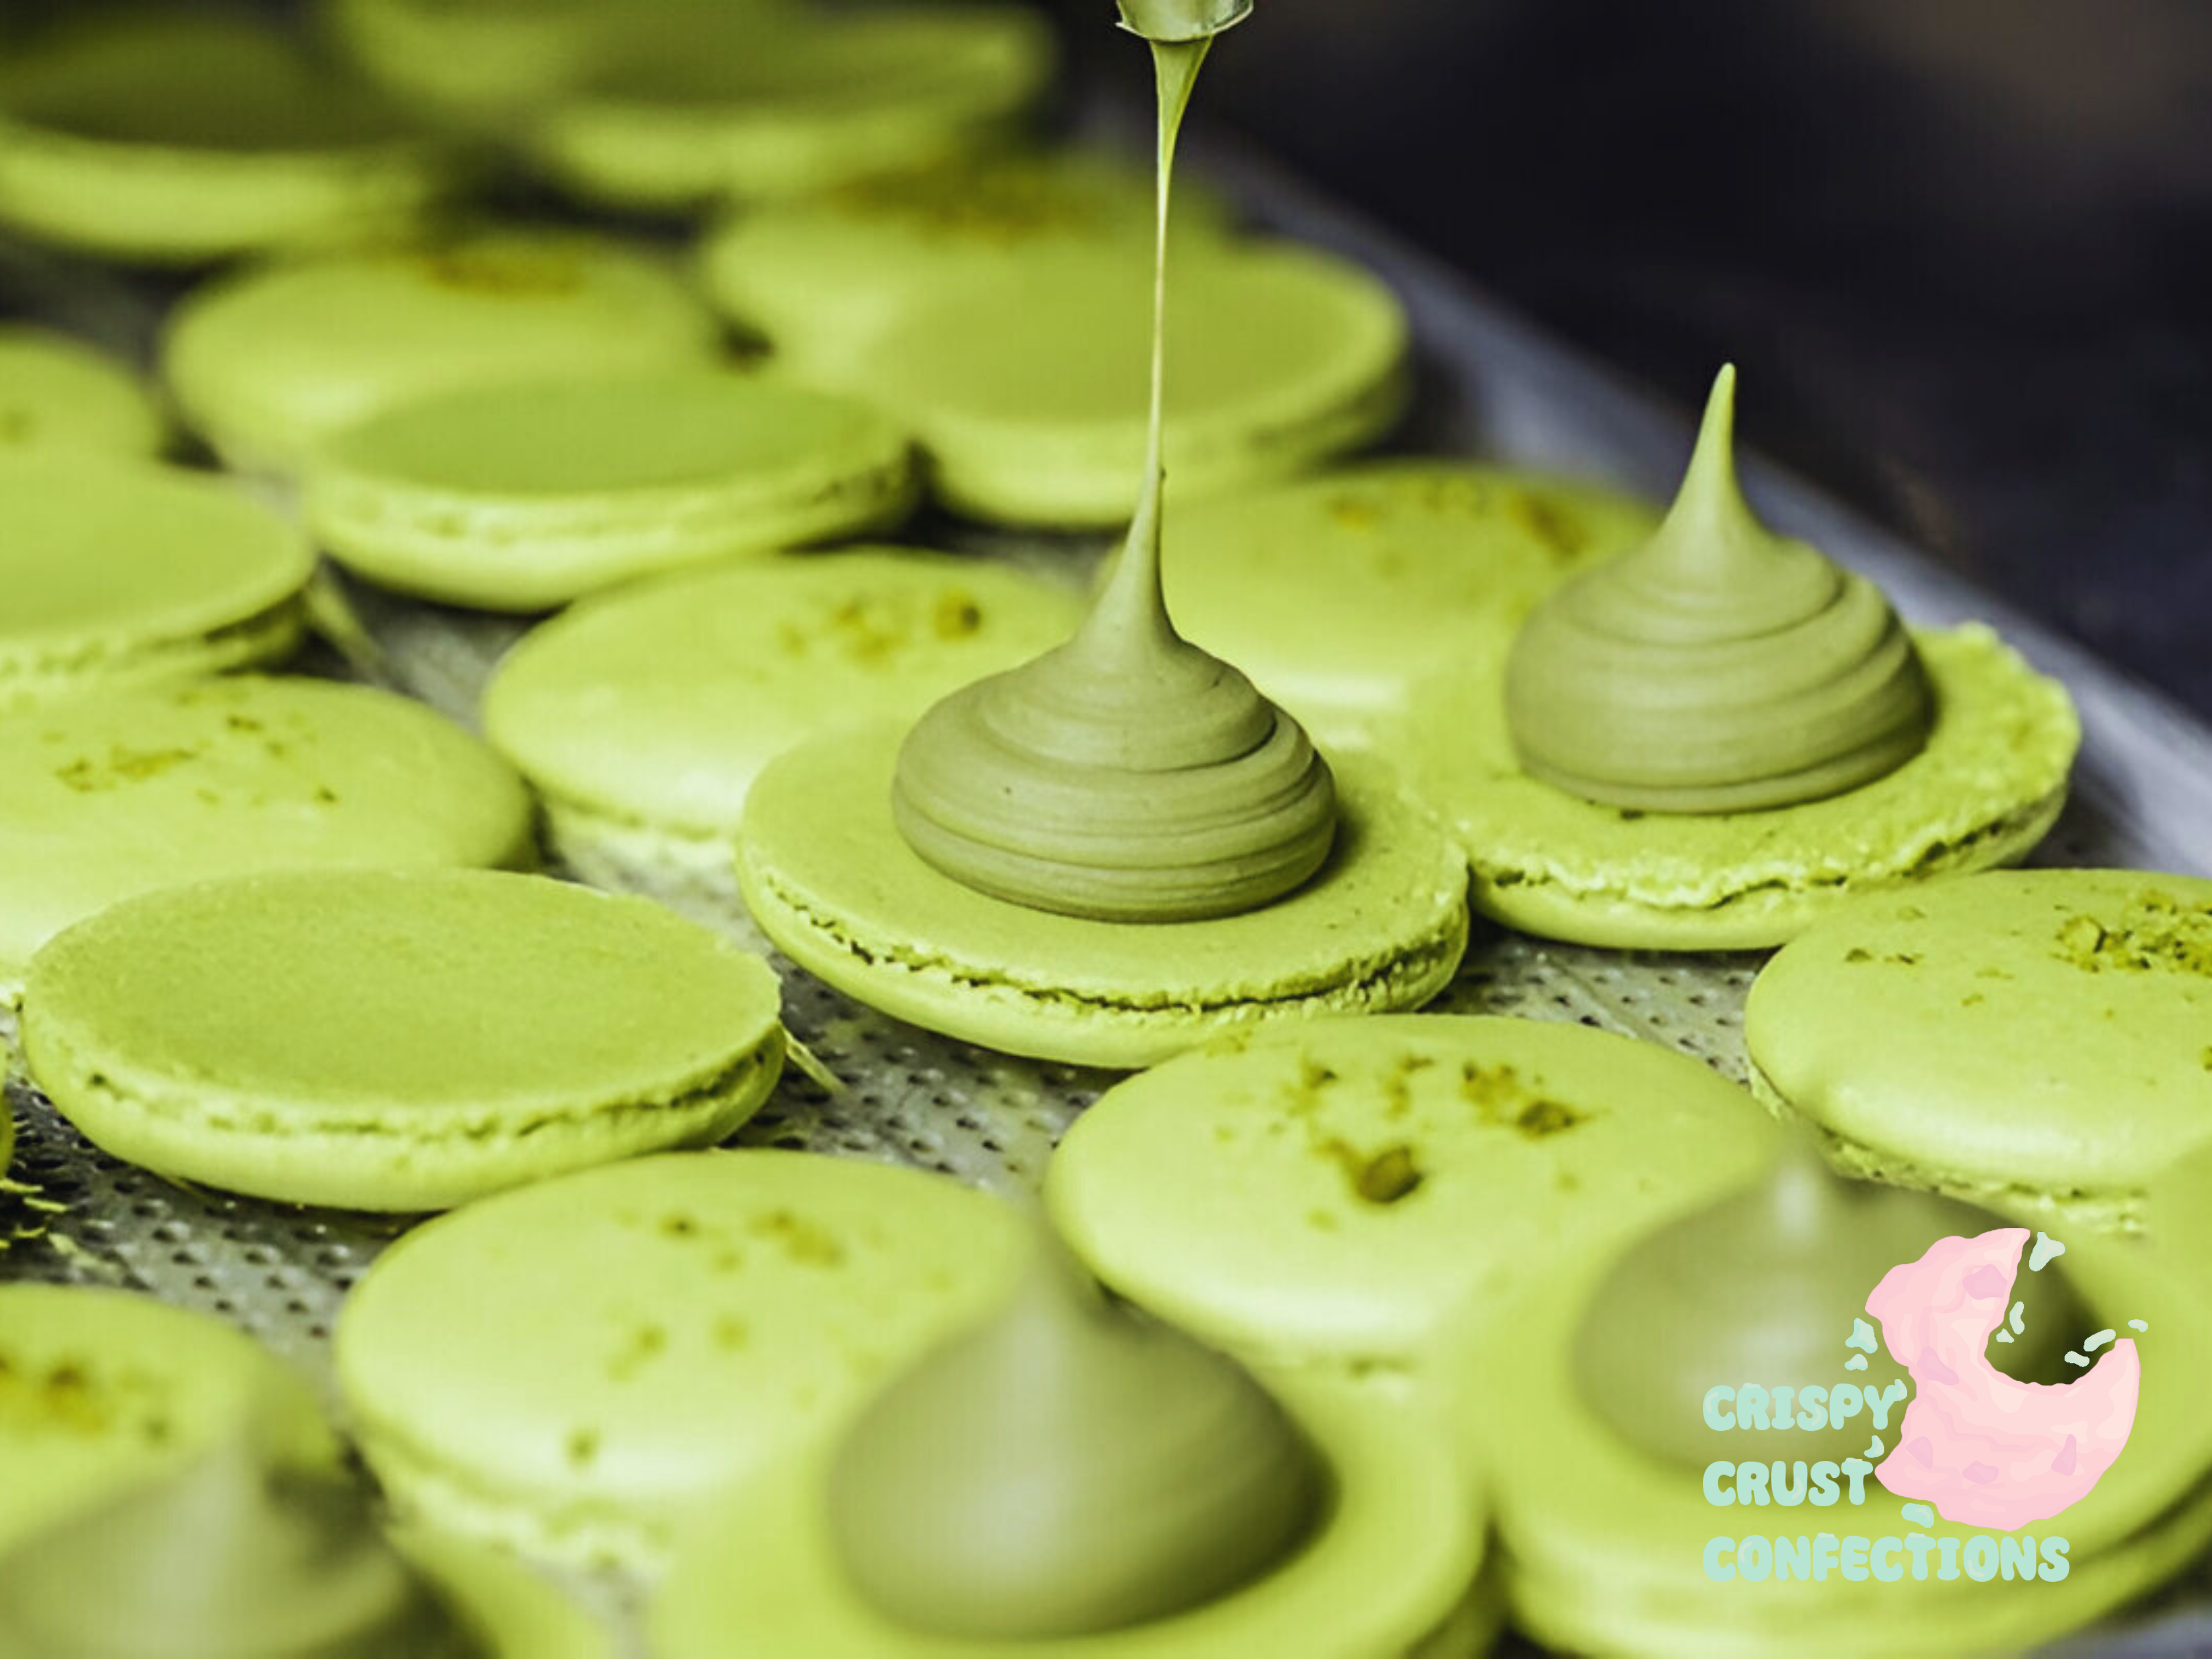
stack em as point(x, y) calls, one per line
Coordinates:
point(58, 392)
point(396, 1040)
point(576, 1368)
point(1029, 397)
point(654, 708)
point(120, 793)
point(1985, 789)
point(1338, 594)
point(2040, 1041)
point(523, 495)
point(829, 878)
point(117, 573)
point(177, 139)
point(1372, 1192)
point(1388, 1575)
point(267, 363)
point(750, 104)
point(820, 275)
point(1603, 1542)
point(102, 1390)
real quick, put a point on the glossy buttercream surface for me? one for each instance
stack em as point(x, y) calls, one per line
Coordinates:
point(1127, 775)
point(1717, 668)
point(1069, 1468)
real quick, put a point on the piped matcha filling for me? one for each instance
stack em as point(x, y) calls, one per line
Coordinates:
point(1126, 775)
point(227, 1559)
point(1764, 1286)
point(1070, 1468)
point(1717, 668)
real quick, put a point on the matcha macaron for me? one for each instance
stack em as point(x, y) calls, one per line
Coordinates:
point(1030, 397)
point(706, 103)
point(523, 494)
point(1341, 594)
point(267, 363)
point(819, 276)
point(395, 1040)
point(166, 138)
point(118, 573)
point(577, 1368)
point(117, 793)
point(102, 1390)
point(57, 391)
point(1154, 1499)
point(2039, 1041)
point(1712, 739)
point(1367, 1195)
point(828, 876)
point(642, 717)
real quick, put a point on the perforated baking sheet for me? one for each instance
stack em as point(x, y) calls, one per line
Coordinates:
point(1492, 387)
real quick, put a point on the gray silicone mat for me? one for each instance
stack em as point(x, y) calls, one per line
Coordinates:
point(1491, 387)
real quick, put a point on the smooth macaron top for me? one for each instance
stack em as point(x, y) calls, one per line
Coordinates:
point(103, 562)
point(663, 702)
point(100, 1390)
point(477, 994)
point(1031, 397)
point(764, 101)
point(160, 80)
point(2037, 1030)
point(634, 1340)
point(820, 274)
point(58, 392)
point(117, 793)
point(1340, 593)
point(1375, 1190)
point(271, 361)
point(527, 493)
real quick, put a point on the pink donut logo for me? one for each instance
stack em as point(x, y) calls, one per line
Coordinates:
point(1984, 1449)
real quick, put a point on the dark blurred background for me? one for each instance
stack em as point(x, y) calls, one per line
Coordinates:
point(1962, 249)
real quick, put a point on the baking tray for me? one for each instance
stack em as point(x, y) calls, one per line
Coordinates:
point(1491, 385)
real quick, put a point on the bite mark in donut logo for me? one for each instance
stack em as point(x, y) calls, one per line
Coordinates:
point(1983, 1448)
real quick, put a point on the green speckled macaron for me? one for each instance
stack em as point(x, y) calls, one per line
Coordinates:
point(1986, 788)
point(100, 1390)
point(116, 573)
point(268, 362)
point(752, 103)
point(1368, 1194)
point(642, 717)
point(58, 392)
point(396, 1040)
point(576, 1368)
point(2037, 1041)
point(524, 495)
point(169, 138)
point(118, 793)
point(828, 876)
point(820, 275)
point(1030, 399)
point(1605, 1542)
point(1338, 594)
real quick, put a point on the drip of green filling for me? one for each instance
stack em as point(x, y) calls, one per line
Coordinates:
point(1717, 668)
point(1127, 775)
point(227, 1560)
point(1069, 1470)
point(1763, 1287)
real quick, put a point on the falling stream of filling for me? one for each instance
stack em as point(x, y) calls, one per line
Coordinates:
point(1126, 775)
